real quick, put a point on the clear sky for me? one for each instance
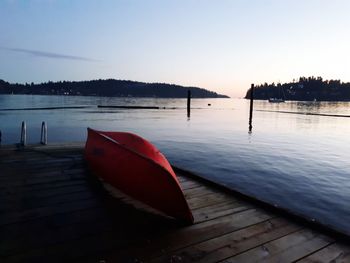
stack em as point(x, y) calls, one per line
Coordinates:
point(221, 45)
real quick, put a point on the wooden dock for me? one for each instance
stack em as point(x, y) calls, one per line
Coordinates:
point(53, 210)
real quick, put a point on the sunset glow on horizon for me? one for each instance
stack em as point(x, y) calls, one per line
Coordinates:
point(223, 46)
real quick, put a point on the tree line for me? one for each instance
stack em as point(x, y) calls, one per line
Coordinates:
point(304, 89)
point(107, 87)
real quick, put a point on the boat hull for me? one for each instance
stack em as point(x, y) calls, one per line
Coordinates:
point(136, 167)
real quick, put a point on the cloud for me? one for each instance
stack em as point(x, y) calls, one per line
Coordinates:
point(38, 53)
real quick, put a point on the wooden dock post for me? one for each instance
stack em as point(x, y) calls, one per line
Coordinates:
point(0, 137)
point(251, 107)
point(23, 141)
point(43, 136)
point(188, 103)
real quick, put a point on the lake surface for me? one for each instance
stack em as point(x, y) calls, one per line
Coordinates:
point(299, 162)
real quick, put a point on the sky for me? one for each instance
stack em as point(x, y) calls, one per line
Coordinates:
point(220, 45)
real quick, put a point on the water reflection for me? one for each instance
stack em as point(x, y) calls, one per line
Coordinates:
point(342, 108)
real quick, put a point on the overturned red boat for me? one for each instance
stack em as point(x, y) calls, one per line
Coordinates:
point(136, 167)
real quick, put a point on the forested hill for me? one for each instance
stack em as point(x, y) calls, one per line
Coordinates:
point(109, 87)
point(306, 89)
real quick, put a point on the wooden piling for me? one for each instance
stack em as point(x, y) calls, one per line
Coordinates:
point(188, 103)
point(251, 107)
point(43, 136)
point(23, 141)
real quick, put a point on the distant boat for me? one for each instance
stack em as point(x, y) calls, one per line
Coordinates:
point(276, 100)
point(280, 98)
point(137, 168)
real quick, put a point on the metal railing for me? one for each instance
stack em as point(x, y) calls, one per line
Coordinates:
point(23, 139)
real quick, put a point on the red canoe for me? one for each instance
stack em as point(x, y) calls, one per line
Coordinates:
point(136, 167)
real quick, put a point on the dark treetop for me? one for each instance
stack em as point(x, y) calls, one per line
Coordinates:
point(108, 87)
point(306, 89)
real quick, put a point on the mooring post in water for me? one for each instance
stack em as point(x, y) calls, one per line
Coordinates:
point(43, 137)
point(23, 134)
point(251, 107)
point(188, 103)
point(0, 137)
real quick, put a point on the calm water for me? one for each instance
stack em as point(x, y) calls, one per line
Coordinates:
point(299, 162)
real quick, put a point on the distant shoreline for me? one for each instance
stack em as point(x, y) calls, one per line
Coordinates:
point(101, 96)
point(305, 89)
point(107, 88)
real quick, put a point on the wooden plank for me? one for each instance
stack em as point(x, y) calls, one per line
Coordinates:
point(15, 171)
point(128, 226)
point(107, 207)
point(69, 250)
point(180, 238)
point(210, 199)
point(23, 168)
point(41, 157)
point(89, 235)
point(220, 248)
point(35, 151)
point(335, 253)
point(184, 190)
point(58, 228)
point(44, 193)
point(28, 203)
point(44, 165)
point(56, 221)
point(22, 216)
point(38, 158)
point(218, 210)
point(15, 177)
point(198, 191)
point(40, 162)
point(40, 181)
point(189, 185)
point(182, 178)
point(286, 249)
point(68, 175)
point(51, 146)
point(14, 190)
